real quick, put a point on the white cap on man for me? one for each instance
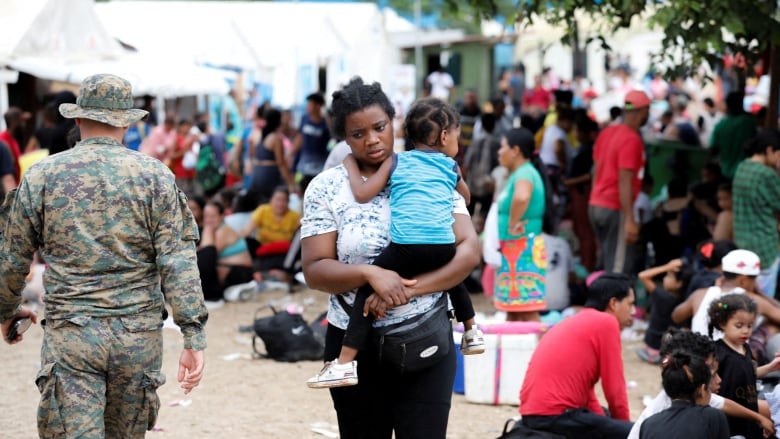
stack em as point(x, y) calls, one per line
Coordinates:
point(741, 261)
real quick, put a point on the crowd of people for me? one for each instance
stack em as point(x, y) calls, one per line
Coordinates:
point(554, 195)
point(705, 253)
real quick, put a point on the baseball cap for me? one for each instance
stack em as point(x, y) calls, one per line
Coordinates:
point(104, 98)
point(741, 262)
point(636, 99)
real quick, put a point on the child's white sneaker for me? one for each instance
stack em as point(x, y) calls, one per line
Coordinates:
point(334, 374)
point(473, 342)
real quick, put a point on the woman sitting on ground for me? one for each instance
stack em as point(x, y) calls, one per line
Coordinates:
point(272, 226)
point(223, 256)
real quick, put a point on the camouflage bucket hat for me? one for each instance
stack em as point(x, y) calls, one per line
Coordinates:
point(104, 98)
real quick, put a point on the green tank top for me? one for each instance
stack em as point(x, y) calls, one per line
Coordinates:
point(535, 210)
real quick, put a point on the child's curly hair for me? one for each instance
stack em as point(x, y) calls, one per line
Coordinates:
point(687, 341)
point(721, 310)
point(683, 373)
point(425, 121)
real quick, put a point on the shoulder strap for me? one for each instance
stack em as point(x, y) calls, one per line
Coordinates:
point(344, 305)
point(257, 354)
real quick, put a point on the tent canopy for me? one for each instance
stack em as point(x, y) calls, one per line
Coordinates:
point(289, 41)
point(238, 34)
point(66, 41)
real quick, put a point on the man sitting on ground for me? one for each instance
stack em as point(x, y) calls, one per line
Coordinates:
point(558, 396)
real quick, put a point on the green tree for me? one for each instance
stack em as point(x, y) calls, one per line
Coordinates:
point(463, 15)
point(695, 31)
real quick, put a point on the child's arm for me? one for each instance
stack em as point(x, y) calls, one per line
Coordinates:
point(731, 408)
point(462, 187)
point(772, 366)
point(365, 190)
point(646, 276)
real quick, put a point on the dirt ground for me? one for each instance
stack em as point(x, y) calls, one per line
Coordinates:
point(241, 397)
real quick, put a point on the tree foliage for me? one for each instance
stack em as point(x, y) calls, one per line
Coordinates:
point(694, 31)
point(460, 14)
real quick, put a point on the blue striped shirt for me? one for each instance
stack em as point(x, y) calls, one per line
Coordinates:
point(421, 190)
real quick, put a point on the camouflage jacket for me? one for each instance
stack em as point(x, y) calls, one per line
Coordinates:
point(115, 233)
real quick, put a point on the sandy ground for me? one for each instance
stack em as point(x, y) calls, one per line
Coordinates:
point(241, 397)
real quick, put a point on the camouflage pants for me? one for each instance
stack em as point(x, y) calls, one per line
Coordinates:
point(99, 377)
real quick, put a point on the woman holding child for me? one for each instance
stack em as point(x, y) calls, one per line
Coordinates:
point(340, 238)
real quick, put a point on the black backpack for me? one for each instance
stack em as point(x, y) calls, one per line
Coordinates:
point(287, 337)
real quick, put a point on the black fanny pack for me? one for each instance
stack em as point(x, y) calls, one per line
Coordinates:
point(415, 343)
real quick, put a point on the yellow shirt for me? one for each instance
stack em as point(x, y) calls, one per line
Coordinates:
point(29, 159)
point(271, 230)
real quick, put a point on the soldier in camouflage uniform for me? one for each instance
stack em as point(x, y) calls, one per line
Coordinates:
point(118, 239)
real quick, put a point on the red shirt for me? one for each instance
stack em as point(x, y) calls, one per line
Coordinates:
point(541, 97)
point(617, 147)
point(13, 145)
point(178, 164)
point(569, 361)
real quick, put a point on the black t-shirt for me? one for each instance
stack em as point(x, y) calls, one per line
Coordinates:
point(45, 136)
point(59, 141)
point(684, 420)
point(582, 164)
point(738, 375)
point(663, 303)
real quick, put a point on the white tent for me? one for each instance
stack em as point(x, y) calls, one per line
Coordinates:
point(69, 31)
point(66, 41)
point(289, 42)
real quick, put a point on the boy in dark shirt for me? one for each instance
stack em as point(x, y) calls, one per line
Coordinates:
point(663, 299)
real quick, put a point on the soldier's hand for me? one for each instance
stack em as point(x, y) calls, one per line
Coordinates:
point(5, 326)
point(191, 364)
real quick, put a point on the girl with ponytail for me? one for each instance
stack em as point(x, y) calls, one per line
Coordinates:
point(686, 379)
point(734, 315)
